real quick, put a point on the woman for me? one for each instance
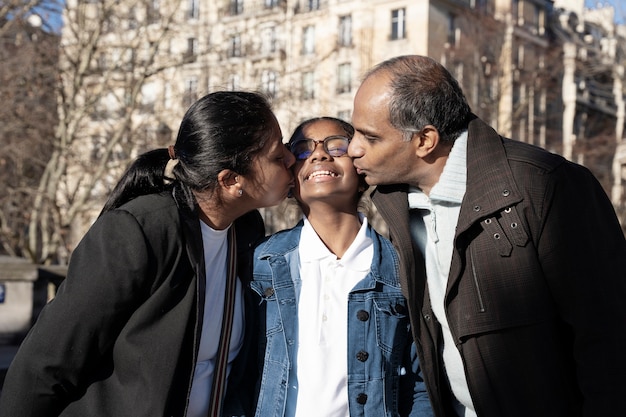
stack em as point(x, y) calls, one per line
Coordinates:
point(336, 337)
point(150, 318)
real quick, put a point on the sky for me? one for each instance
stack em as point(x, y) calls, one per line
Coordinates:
point(620, 11)
point(616, 3)
point(619, 5)
point(50, 12)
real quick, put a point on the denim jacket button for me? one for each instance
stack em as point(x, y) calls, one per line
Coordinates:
point(362, 315)
point(268, 292)
point(401, 309)
point(361, 398)
point(362, 356)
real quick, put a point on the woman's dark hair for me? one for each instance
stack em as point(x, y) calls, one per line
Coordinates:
point(222, 130)
point(424, 93)
point(143, 176)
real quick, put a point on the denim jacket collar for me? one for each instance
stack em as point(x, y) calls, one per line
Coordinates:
point(383, 268)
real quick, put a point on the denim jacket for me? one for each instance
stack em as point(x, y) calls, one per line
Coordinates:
point(383, 369)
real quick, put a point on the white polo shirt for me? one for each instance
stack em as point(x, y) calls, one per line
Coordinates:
point(322, 367)
point(441, 214)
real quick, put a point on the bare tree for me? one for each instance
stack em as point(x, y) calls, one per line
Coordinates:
point(594, 88)
point(110, 51)
point(509, 70)
point(28, 79)
point(523, 87)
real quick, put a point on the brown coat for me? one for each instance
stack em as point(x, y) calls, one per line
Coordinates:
point(535, 297)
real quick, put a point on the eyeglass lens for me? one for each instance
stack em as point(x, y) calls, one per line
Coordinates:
point(334, 146)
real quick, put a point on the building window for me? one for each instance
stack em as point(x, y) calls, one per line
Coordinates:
point(398, 28)
point(345, 30)
point(518, 57)
point(154, 11)
point(515, 11)
point(236, 7)
point(268, 40)
point(234, 46)
point(344, 78)
point(483, 6)
point(234, 81)
point(308, 85)
point(308, 40)
point(313, 5)
point(132, 19)
point(102, 61)
point(539, 20)
point(270, 4)
point(191, 91)
point(344, 115)
point(453, 33)
point(539, 105)
point(194, 9)
point(192, 50)
point(269, 83)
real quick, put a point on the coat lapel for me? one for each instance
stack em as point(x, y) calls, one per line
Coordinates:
point(392, 204)
point(490, 186)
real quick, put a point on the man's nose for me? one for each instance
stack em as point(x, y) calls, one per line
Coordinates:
point(354, 148)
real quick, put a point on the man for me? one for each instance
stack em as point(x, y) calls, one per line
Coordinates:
point(513, 262)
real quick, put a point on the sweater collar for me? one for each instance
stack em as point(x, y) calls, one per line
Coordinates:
point(451, 185)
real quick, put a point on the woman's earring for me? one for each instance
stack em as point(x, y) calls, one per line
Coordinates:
point(240, 192)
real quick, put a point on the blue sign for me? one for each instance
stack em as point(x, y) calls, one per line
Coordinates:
point(3, 291)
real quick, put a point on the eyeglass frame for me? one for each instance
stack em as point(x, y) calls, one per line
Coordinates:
point(317, 142)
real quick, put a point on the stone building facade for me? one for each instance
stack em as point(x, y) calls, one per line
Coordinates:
point(309, 57)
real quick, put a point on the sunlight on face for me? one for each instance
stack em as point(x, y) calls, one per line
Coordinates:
point(271, 174)
point(322, 176)
point(379, 149)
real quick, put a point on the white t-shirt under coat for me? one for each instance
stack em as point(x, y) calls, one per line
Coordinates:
point(215, 243)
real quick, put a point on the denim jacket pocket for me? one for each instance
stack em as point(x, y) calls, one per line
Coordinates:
point(265, 290)
point(392, 323)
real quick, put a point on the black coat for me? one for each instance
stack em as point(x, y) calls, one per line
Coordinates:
point(121, 336)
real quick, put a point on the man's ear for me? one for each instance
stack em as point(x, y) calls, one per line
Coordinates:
point(228, 181)
point(426, 141)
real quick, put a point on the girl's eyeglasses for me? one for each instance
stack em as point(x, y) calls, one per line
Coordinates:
point(334, 146)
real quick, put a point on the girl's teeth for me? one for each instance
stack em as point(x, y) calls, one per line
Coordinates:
point(319, 173)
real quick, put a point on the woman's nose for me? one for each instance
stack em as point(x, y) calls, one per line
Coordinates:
point(290, 159)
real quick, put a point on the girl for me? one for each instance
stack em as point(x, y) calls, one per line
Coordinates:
point(336, 340)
